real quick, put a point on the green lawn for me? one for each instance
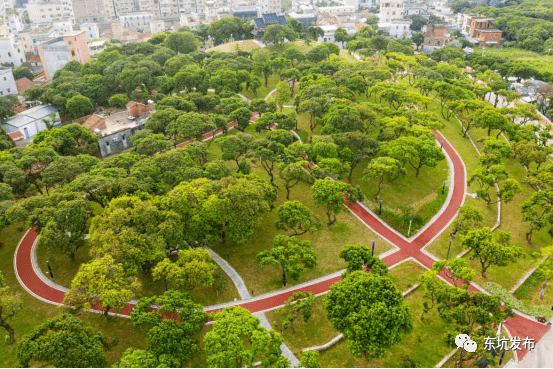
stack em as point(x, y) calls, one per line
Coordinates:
point(406, 275)
point(529, 291)
point(231, 47)
point(262, 91)
point(543, 63)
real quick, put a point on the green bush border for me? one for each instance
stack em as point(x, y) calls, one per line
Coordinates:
point(508, 298)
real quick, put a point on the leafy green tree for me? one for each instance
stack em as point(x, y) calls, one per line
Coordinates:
point(234, 147)
point(277, 34)
point(136, 358)
point(300, 304)
point(146, 142)
point(356, 256)
point(22, 72)
point(102, 281)
point(538, 210)
point(467, 218)
point(194, 267)
point(369, 311)
point(310, 359)
point(167, 336)
point(71, 139)
point(65, 230)
point(281, 136)
point(268, 120)
point(282, 94)
point(160, 120)
point(268, 154)
point(291, 254)
point(294, 173)
point(495, 175)
point(342, 118)
point(242, 116)
point(191, 126)
point(79, 106)
point(131, 230)
point(383, 168)
point(491, 119)
point(238, 340)
point(417, 151)
point(64, 341)
point(417, 38)
point(295, 216)
point(489, 251)
point(182, 42)
point(131, 78)
point(10, 305)
point(331, 194)
point(51, 121)
point(118, 100)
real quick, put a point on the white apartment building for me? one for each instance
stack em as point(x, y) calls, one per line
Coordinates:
point(14, 23)
point(62, 27)
point(157, 26)
point(135, 20)
point(5, 7)
point(93, 10)
point(42, 11)
point(91, 31)
point(7, 83)
point(11, 52)
point(269, 6)
point(391, 19)
point(125, 6)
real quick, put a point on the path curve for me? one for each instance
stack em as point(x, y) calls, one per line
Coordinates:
point(405, 249)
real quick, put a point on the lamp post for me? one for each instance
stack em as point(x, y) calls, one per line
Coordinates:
point(380, 208)
point(372, 253)
point(443, 188)
point(409, 230)
point(49, 269)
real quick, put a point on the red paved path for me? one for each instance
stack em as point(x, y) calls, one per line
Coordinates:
point(518, 326)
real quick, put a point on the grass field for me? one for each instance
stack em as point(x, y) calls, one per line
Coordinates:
point(543, 63)
point(529, 291)
point(231, 47)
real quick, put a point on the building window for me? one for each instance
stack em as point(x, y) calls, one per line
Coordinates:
point(9, 90)
point(73, 52)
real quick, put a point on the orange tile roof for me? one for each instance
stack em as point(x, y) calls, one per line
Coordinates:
point(23, 84)
point(95, 121)
point(16, 136)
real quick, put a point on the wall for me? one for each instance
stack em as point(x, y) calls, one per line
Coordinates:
point(10, 52)
point(7, 83)
point(53, 59)
point(116, 142)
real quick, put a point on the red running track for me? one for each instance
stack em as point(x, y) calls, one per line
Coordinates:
point(520, 326)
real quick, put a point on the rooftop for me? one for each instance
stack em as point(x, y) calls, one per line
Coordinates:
point(30, 115)
point(23, 84)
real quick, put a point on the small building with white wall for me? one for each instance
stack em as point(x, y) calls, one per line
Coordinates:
point(14, 23)
point(96, 47)
point(135, 20)
point(29, 122)
point(7, 82)
point(91, 31)
point(157, 26)
point(11, 51)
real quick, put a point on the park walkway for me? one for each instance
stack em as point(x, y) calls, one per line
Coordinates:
point(413, 248)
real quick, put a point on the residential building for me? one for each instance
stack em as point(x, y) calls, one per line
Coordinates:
point(5, 7)
point(269, 6)
point(125, 6)
point(62, 27)
point(91, 31)
point(435, 37)
point(93, 10)
point(115, 130)
point(7, 83)
point(157, 26)
point(135, 20)
point(392, 20)
point(41, 11)
point(11, 51)
point(341, 9)
point(29, 122)
point(23, 84)
point(96, 47)
point(307, 20)
point(55, 53)
point(259, 24)
point(464, 21)
point(483, 32)
point(14, 23)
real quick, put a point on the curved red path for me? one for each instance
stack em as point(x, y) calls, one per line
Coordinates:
point(518, 326)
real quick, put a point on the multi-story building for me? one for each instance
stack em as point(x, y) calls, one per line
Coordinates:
point(125, 6)
point(483, 32)
point(62, 27)
point(135, 20)
point(7, 83)
point(435, 37)
point(41, 11)
point(157, 26)
point(392, 20)
point(93, 10)
point(11, 51)
point(13, 22)
point(5, 7)
point(55, 53)
point(91, 31)
point(269, 6)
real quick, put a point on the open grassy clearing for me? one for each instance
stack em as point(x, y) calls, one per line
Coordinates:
point(35, 311)
point(541, 62)
point(231, 47)
point(529, 291)
point(262, 91)
point(406, 275)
